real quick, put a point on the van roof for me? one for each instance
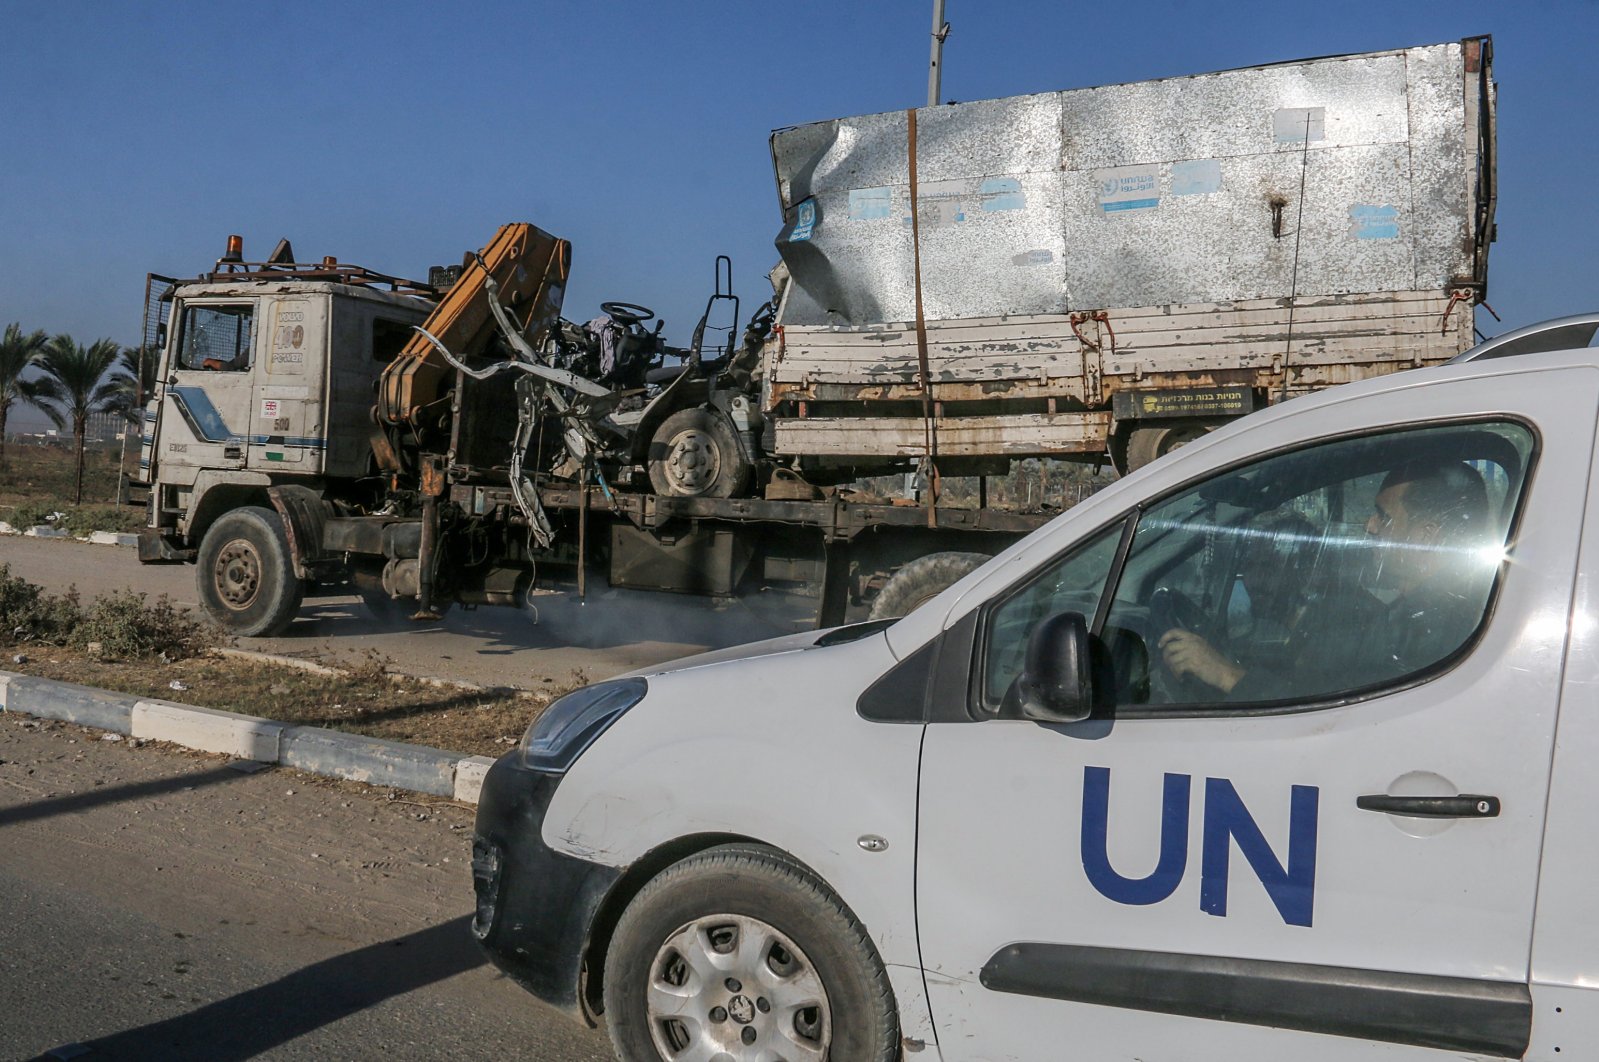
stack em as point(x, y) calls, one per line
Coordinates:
point(1560, 333)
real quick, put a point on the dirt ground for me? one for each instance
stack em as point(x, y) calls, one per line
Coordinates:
point(162, 905)
point(363, 699)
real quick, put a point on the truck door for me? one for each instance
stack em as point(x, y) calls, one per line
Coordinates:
point(206, 398)
point(1311, 803)
point(285, 416)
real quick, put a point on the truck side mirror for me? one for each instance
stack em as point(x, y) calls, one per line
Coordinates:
point(1055, 684)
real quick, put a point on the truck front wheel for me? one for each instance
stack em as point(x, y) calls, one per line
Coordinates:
point(247, 580)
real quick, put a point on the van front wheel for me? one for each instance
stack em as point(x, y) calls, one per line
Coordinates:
point(742, 953)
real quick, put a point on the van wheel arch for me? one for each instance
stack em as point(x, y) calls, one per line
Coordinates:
point(592, 991)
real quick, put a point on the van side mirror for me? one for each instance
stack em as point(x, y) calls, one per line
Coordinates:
point(1055, 684)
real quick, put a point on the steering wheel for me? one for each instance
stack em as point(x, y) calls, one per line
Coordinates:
point(1171, 610)
point(626, 313)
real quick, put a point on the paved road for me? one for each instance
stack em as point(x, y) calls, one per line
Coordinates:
point(161, 905)
point(613, 632)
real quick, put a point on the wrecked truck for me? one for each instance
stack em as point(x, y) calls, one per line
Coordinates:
point(504, 441)
point(1087, 274)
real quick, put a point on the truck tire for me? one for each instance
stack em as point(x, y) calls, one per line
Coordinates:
point(1146, 444)
point(923, 579)
point(799, 977)
point(246, 577)
point(694, 454)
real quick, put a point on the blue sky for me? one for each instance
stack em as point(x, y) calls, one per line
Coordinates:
point(135, 136)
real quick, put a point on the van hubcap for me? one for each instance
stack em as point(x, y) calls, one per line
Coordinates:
point(733, 987)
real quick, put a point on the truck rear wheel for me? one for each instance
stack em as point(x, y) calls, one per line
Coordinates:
point(695, 454)
point(246, 576)
point(1146, 444)
point(922, 579)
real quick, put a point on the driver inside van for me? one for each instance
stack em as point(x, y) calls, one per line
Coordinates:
point(1422, 598)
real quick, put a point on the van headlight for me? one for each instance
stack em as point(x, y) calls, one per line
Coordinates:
point(572, 723)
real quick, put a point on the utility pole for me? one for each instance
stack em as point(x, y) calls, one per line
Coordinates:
point(935, 68)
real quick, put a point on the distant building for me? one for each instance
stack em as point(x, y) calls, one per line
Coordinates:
point(104, 427)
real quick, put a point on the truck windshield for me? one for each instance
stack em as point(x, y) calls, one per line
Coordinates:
point(217, 338)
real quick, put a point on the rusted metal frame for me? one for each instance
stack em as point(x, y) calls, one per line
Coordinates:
point(1479, 60)
point(835, 518)
point(1011, 389)
point(833, 609)
point(858, 518)
point(1299, 230)
point(341, 274)
point(929, 411)
point(433, 486)
point(582, 533)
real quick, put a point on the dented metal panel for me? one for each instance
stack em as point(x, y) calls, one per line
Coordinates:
point(1165, 217)
point(1142, 194)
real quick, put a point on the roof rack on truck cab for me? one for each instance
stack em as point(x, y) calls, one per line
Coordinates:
point(280, 265)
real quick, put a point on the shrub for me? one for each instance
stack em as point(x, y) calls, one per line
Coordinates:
point(121, 626)
point(29, 614)
point(29, 514)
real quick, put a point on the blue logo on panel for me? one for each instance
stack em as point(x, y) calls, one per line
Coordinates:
point(1290, 884)
point(804, 221)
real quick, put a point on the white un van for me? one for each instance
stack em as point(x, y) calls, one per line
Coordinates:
point(1281, 748)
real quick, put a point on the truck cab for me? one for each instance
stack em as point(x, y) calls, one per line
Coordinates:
point(247, 395)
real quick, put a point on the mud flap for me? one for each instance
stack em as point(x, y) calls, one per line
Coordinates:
point(304, 515)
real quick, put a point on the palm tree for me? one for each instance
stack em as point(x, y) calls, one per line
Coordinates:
point(135, 381)
point(73, 386)
point(17, 352)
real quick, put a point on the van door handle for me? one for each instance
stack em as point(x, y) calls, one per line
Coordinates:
point(1464, 806)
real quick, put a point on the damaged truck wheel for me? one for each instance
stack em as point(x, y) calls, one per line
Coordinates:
point(694, 454)
point(246, 577)
point(923, 579)
point(1149, 443)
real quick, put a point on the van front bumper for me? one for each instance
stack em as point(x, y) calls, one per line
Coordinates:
point(535, 906)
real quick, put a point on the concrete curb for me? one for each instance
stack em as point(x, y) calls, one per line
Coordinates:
point(332, 753)
point(98, 538)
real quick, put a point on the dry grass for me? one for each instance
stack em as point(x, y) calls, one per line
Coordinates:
point(45, 473)
point(38, 480)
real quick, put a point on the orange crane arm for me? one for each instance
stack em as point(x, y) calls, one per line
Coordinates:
point(530, 266)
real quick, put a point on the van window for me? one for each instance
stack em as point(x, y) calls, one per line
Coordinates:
point(1306, 577)
point(1072, 584)
point(216, 338)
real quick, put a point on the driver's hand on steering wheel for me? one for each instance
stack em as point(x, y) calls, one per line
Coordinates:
point(1186, 653)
